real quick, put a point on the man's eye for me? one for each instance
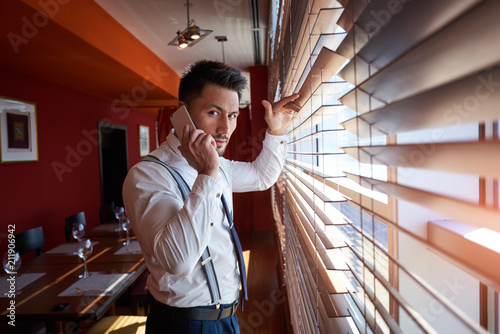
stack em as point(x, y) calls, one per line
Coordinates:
point(233, 116)
point(213, 113)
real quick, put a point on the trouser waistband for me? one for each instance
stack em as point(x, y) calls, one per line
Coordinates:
point(198, 313)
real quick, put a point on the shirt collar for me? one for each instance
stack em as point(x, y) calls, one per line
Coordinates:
point(173, 143)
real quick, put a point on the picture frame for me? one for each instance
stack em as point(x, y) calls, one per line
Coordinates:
point(143, 140)
point(18, 131)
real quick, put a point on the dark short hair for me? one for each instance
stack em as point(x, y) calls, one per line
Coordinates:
point(203, 72)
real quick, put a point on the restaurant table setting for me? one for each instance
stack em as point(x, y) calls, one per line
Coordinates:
point(74, 281)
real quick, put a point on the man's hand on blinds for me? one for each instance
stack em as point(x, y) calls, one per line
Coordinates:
point(278, 115)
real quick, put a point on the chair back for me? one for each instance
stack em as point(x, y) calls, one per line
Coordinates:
point(76, 218)
point(30, 240)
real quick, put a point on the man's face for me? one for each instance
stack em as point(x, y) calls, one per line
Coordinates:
point(215, 112)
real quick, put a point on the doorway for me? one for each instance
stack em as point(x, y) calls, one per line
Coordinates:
point(113, 160)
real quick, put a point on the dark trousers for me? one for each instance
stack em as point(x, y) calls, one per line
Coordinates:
point(162, 319)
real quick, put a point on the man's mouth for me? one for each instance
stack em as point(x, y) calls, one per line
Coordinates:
point(220, 141)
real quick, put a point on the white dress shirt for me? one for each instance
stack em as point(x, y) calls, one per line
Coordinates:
point(173, 234)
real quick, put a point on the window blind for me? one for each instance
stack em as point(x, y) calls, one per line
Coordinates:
point(387, 210)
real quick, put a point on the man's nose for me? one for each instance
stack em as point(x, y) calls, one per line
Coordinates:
point(223, 125)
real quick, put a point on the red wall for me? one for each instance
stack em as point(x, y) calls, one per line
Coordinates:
point(261, 201)
point(60, 183)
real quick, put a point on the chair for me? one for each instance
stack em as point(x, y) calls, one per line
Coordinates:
point(107, 213)
point(119, 324)
point(30, 240)
point(76, 218)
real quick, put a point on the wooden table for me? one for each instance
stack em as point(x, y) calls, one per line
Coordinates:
point(37, 299)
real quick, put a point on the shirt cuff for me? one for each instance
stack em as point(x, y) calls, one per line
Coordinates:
point(207, 186)
point(274, 141)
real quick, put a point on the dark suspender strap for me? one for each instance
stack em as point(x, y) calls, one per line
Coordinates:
point(206, 259)
point(180, 181)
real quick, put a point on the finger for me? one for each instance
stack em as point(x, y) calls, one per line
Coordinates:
point(205, 140)
point(185, 135)
point(286, 100)
point(268, 108)
point(198, 136)
point(291, 107)
point(212, 141)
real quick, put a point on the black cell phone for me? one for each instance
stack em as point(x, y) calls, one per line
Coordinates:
point(61, 307)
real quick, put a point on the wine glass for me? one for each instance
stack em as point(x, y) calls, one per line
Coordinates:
point(119, 211)
point(84, 250)
point(78, 231)
point(11, 264)
point(125, 225)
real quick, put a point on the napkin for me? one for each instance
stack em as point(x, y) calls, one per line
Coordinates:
point(132, 248)
point(69, 248)
point(111, 227)
point(97, 284)
point(21, 280)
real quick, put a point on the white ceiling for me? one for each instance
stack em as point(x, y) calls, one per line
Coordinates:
point(156, 22)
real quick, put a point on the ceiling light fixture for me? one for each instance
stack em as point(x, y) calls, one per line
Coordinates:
point(191, 35)
point(181, 41)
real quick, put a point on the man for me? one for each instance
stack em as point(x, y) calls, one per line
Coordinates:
point(174, 233)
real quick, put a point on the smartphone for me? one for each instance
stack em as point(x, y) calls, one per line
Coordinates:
point(179, 119)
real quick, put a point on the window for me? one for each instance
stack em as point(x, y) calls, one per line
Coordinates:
point(393, 165)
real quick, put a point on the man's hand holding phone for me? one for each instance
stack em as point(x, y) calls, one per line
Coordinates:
point(197, 147)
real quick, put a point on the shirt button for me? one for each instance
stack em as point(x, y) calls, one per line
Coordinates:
point(211, 224)
point(282, 142)
point(218, 195)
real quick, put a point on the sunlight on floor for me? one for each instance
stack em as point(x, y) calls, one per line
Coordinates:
point(120, 324)
point(246, 258)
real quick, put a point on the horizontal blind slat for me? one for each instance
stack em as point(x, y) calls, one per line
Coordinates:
point(322, 23)
point(434, 293)
point(478, 158)
point(325, 274)
point(326, 22)
point(315, 153)
point(421, 68)
point(327, 93)
point(353, 10)
point(473, 99)
point(317, 5)
point(313, 169)
point(394, 294)
point(330, 235)
point(316, 117)
point(460, 210)
point(353, 42)
point(324, 67)
point(327, 214)
point(393, 29)
point(324, 192)
point(450, 237)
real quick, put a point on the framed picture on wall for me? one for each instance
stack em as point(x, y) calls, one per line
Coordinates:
point(18, 131)
point(143, 140)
